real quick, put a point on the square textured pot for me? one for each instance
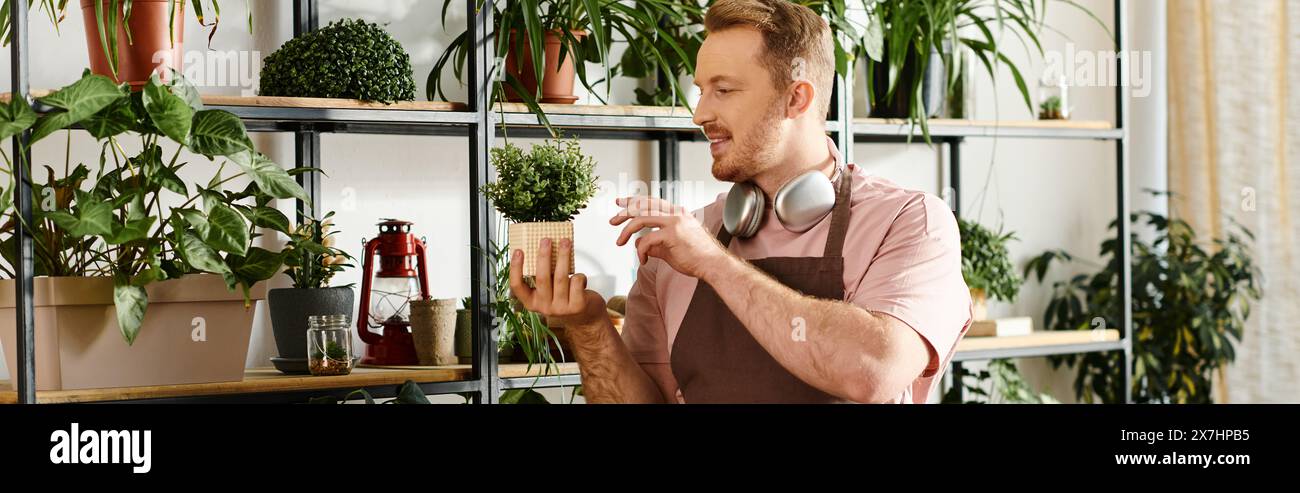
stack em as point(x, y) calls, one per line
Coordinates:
point(194, 331)
point(528, 236)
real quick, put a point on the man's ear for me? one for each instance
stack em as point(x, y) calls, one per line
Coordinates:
point(800, 98)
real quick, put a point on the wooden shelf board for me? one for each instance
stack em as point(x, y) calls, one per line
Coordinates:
point(291, 102)
point(1037, 339)
point(330, 103)
point(598, 110)
point(1037, 124)
point(271, 380)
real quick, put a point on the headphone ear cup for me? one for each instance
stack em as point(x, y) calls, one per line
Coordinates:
point(804, 201)
point(743, 211)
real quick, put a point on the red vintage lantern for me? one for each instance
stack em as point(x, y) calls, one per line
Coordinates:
point(385, 301)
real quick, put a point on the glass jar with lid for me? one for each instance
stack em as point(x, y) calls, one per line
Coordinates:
point(329, 345)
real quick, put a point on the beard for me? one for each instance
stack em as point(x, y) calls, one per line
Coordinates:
point(755, 153)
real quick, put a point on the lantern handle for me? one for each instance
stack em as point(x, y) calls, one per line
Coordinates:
point(421, 268)
point(363, 320)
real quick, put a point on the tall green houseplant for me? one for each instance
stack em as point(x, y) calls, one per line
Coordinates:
point(1191, 299)
point(910, 31)
point(586, 30)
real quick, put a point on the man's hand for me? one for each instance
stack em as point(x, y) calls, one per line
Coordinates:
point(678, 239)
point(558, 297)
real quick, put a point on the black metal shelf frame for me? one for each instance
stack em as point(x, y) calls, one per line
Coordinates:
point(480, 125)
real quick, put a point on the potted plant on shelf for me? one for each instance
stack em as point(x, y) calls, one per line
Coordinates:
point(311, 261)
point(986, 266)
point(130, 251)
point(349, 58)
point(1191, 299)
point(539, 192)
point(566, 35)
point(908, 42)
point(668, 54)
point(130, 40)
point(1050, 109)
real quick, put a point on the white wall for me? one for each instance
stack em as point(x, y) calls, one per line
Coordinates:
point(1054, 194)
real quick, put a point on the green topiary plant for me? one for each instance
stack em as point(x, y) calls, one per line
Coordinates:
point(550, 183)
point(985, 262)
point(350, 58)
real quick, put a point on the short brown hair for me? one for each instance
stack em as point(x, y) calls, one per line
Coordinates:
point(789, 31)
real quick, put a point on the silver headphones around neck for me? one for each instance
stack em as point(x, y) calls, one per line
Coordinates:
point(800, 204)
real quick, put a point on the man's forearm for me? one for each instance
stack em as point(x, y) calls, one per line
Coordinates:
point(609, 374)
point(834, 346)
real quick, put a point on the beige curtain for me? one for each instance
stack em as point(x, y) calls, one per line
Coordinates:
point(1234, 153)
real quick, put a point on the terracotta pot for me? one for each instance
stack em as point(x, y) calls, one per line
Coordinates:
point(557, 78)
point(194, 331)
point(981, 305)
point(528, 237)
point(150, 47)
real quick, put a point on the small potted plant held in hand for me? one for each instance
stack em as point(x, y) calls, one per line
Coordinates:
point(539, 192)
point(311, 262)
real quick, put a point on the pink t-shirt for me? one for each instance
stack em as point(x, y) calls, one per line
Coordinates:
point(902, 257)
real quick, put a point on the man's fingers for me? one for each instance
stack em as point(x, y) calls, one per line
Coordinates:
point(560, 289)
point(640, 223)
point(577, 293)
point(644, 206)
point(517, 285)
point(543, 264)
point(647, 244)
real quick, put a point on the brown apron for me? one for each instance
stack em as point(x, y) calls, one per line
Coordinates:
point(714, 357)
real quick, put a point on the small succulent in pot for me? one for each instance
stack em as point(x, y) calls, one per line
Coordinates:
point(311, 262)
point(540, 191)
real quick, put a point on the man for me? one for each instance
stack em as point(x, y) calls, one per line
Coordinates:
point(866, 306)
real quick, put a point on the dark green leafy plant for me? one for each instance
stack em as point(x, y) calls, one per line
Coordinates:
point(913, 29)
point(1000, 383)
point(523, 396)
point(310, 256)
point(114, 224)
point(349, 58)
point(985, 262)
point(671, 49)
point(1191, 299)
point(552, 182)
point(408, 393)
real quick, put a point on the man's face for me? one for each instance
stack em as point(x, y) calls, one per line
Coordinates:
point(740, 110)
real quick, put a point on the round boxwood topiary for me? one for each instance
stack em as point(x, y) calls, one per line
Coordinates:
point(350, 58)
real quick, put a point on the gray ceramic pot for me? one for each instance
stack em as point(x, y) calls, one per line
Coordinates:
point(290, 308)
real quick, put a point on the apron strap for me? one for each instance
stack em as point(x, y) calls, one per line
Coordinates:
point(840, 216)
point(724, 236)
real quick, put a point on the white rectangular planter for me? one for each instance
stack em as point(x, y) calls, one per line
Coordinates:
point(194, 331)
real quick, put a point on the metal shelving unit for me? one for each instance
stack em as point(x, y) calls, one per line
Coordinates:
point(479, 124)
